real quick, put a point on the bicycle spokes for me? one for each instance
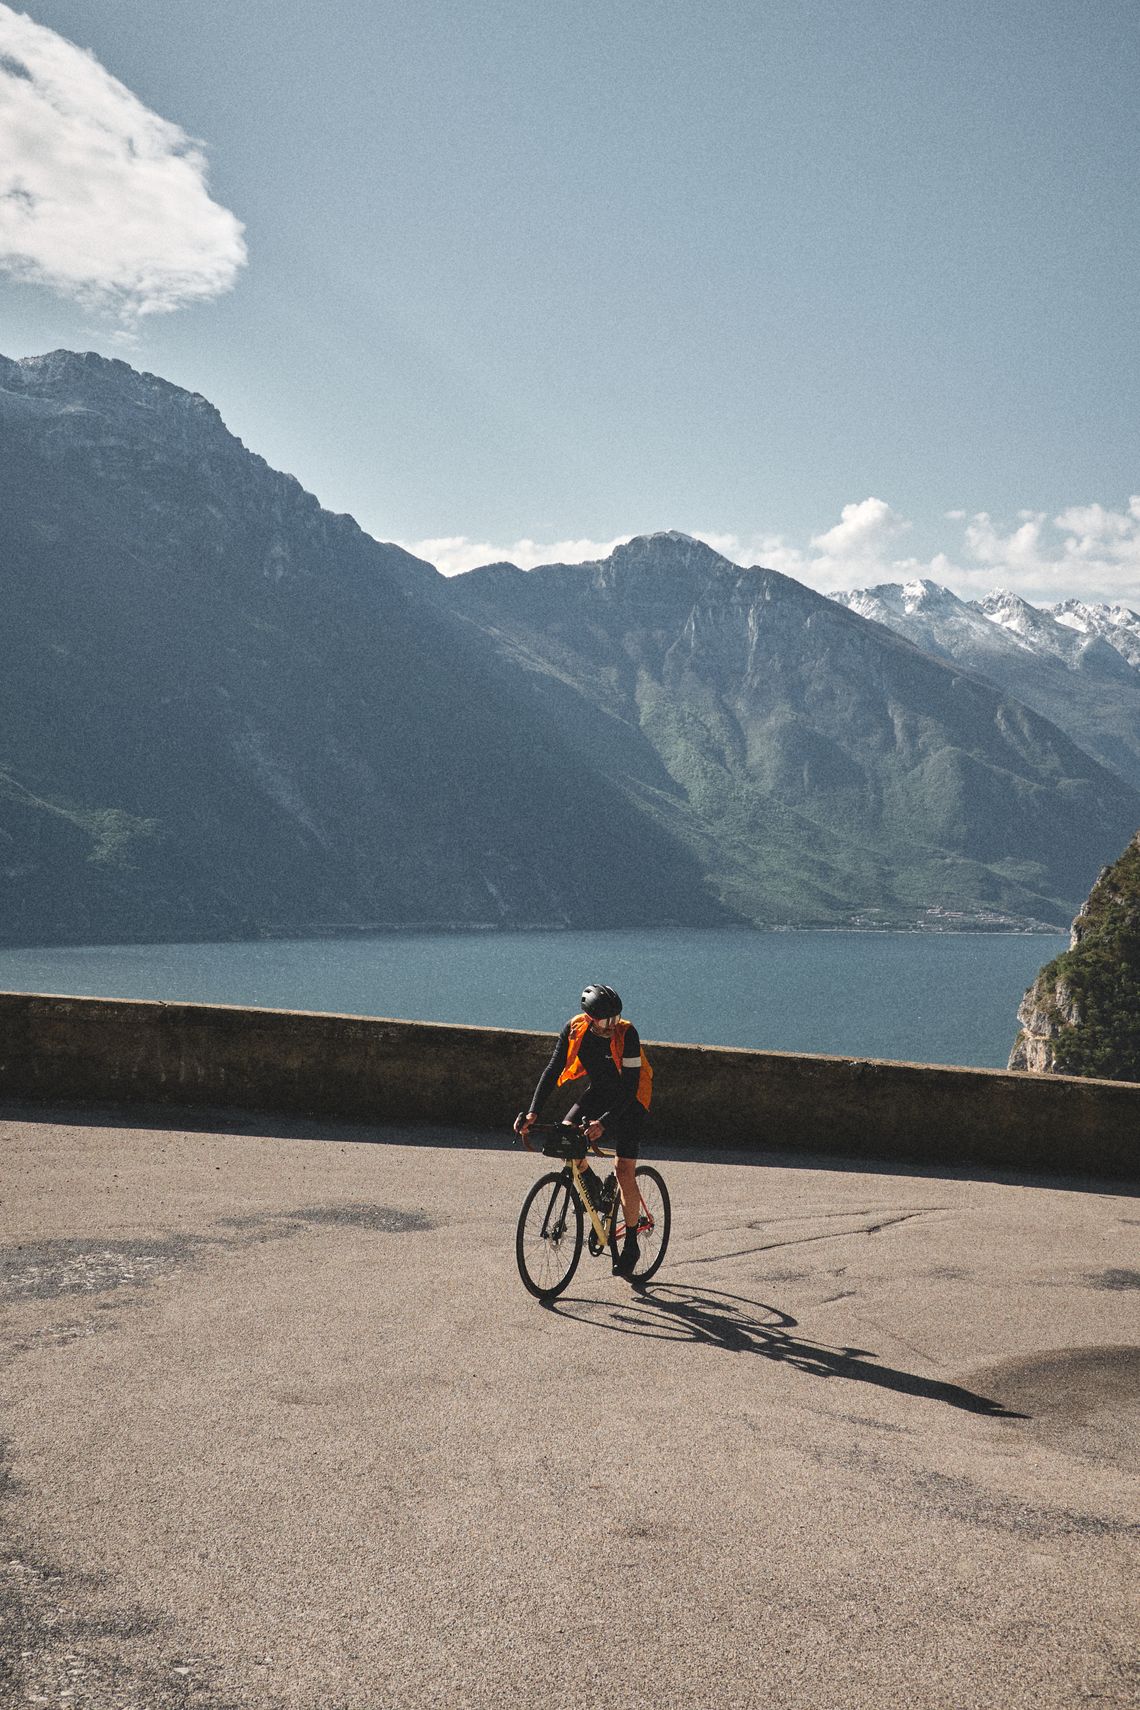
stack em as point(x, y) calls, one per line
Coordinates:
point(652, 1224)
point(645, 1224)
point(549, 1236)
point(552, 1225)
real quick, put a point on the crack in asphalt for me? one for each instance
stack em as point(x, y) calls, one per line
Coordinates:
point(825, 1235)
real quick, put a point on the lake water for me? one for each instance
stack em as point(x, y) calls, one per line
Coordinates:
point(922, 997)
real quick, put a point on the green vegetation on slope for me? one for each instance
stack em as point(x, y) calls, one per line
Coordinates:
point(1090, 994)
point(822, 771)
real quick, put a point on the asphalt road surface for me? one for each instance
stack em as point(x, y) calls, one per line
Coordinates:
point(284, 1432)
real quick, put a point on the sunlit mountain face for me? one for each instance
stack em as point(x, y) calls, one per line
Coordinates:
point(817, 761)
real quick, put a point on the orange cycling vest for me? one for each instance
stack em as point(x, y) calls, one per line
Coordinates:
point(574, 1069)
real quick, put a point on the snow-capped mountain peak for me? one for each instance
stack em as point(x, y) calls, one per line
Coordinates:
point(1073, 632)
point(890, 601)
point(1119, 625)
point(928, 598)
point(1076, 663)
point(931, 616)
point(1076, 644)
point(1005, 608)
point(922, 588)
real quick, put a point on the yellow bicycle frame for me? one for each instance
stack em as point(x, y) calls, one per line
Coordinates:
point(612, 1224)
point(601, 1230)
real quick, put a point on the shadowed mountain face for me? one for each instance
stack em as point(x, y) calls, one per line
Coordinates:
point(222, 714)
point(226, 711)
point(821, 767)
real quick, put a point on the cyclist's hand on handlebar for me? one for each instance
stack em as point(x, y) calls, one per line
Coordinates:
point(524, 1122)
point(594, 1132)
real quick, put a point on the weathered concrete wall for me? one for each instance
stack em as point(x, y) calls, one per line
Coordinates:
point(81, 1050)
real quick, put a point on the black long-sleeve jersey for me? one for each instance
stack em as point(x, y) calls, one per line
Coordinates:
point(603, 1077)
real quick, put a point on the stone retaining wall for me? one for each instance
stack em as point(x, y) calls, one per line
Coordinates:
point(111, 1051)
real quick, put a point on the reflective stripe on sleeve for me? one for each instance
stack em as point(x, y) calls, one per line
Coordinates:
point(631, 1062)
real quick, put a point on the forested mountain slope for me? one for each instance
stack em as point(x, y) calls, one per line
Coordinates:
point(822, 768)
point(1081, 1016)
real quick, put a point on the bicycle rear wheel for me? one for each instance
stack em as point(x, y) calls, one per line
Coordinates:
point(653, 1225)
point(548, 1241)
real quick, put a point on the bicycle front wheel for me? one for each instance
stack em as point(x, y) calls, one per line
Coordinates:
point(548, 1242)
point(653, 1224)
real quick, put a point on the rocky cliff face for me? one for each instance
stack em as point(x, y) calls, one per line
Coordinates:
point(1045, 1013)
point(1081, 1016)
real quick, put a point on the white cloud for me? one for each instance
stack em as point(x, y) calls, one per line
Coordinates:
point(862, 531)
point(1095, 532)
point(858, 550)
point(1087, 552)
point(1020, 551)
point(453, 553)
point(770, 550)
point(101, 200)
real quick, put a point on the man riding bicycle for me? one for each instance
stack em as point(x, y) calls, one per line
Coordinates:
point(598, 1045)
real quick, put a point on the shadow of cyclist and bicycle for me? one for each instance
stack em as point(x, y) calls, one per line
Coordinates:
point(737, 1325)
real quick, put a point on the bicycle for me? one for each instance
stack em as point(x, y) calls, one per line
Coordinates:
point(551, 1227)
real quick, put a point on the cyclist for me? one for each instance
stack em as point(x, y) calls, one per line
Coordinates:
point(599, 1045)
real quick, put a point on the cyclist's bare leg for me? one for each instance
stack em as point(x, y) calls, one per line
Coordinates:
point(627, 1186)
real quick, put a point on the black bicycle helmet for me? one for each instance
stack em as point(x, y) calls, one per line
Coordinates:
point(601, 1001)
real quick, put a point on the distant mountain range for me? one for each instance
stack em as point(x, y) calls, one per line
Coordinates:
point(1076, 664)
point(228, 712)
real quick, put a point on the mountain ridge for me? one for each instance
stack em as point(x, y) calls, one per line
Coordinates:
point(625, 640)
point(230, 712)
point(213, 704)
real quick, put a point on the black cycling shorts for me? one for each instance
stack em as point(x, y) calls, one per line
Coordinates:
point(623, 1134)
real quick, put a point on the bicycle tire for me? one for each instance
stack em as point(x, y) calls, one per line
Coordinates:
point(653, 1241)
point(548, 1240)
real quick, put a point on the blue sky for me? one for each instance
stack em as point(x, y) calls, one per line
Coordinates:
point(848, 287)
